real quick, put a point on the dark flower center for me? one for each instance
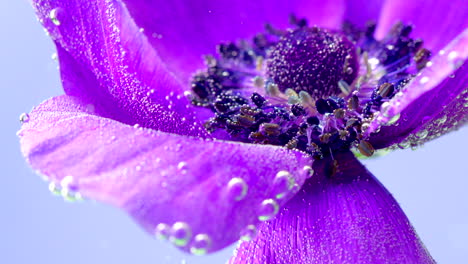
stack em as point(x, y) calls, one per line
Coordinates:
point(313, 60)
point(310, 89)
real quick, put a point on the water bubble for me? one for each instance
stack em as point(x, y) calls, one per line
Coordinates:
point(180, 234)
point(24, 118)
point(54, 189)
point(182, 167)
point(283, 184)
point(424, 80)
point(248, 233)
point(393, 120)
point(268, 209)
point(309, 171)
point(237, 189)
point(53, 16)
point(422, 134)
point(441, 120)
point(201, 244)
point(162, 231)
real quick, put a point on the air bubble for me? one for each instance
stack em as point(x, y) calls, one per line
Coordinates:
point(201, 244)
point(268, 210)
point(309, 171)
point(283, 184)
point(422, 134)
point(237, 189)
point(182, 167)
point(393, 120)
point(162, 231)
point(248, 233)
point(53, 16)
point(180, 234)
point(24, 118)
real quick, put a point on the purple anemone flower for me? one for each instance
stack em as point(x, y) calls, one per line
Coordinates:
point(214, 121)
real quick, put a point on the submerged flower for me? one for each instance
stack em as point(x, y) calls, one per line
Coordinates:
point(254, 141)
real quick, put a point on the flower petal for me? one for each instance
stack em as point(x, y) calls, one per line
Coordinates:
point(433, 104)
point(183, 31)
point(208, 191)
point(99, 40)
point(359, 12)
point(436, 22)
point(346, 218)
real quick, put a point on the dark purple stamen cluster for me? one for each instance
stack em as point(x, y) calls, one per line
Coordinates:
point(304, 88)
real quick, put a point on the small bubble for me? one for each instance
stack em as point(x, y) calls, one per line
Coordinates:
point(53, 16)
point(24, 118)
point(393, 120)
point(182, 167)
point(201, 244)
point(248, 233)
point(180, 234)
point(268, 209)
point(349, 70)
point(54, 189)
point(309, 171)
point(283, 184)
point(422, 134)
point(162, 231)
point(424, 80)
point(136, 126)
point(237, 189)
point(441, 120)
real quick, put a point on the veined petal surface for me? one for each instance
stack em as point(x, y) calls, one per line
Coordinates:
point(201, 194)
point(345, 217)
point(99, 40)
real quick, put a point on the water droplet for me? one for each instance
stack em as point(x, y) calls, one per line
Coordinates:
point(441, 120)
point(180, 234)
point(182, 167)
point(349, 70)
point(283, 184)
point(424, 80)
point(393, 120)
point(268, 209)
point(162, 231)
point(53, 16)
point(248, 233)
point(24, 118)
point(201, 244)
point(54, 189)
point(237, 189)
point(422, 134)
point(136, 126)
point(309, 171)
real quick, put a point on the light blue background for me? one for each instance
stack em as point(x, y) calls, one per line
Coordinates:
point(431, 183)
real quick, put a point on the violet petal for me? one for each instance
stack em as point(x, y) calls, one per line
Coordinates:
point(104, 44)
point(183, 31)
point(433, 104)
point(360, 12)
point(348, 218)
point(211, 190)
point(436, 22)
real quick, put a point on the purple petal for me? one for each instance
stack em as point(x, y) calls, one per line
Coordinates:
point(433, 104)
point(359, 12)
point(436, 22)
point(100, 41)
point(183, 31)
point(208, 191)
point(346, 218)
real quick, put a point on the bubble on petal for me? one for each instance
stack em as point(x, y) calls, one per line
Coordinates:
point(162, 231)
point(181, 234)
point(201, 244)
point(248, 233)
point(268, 209)
point(283, 183)
point(53, 15)
point(24, 118)
point(237, 189)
